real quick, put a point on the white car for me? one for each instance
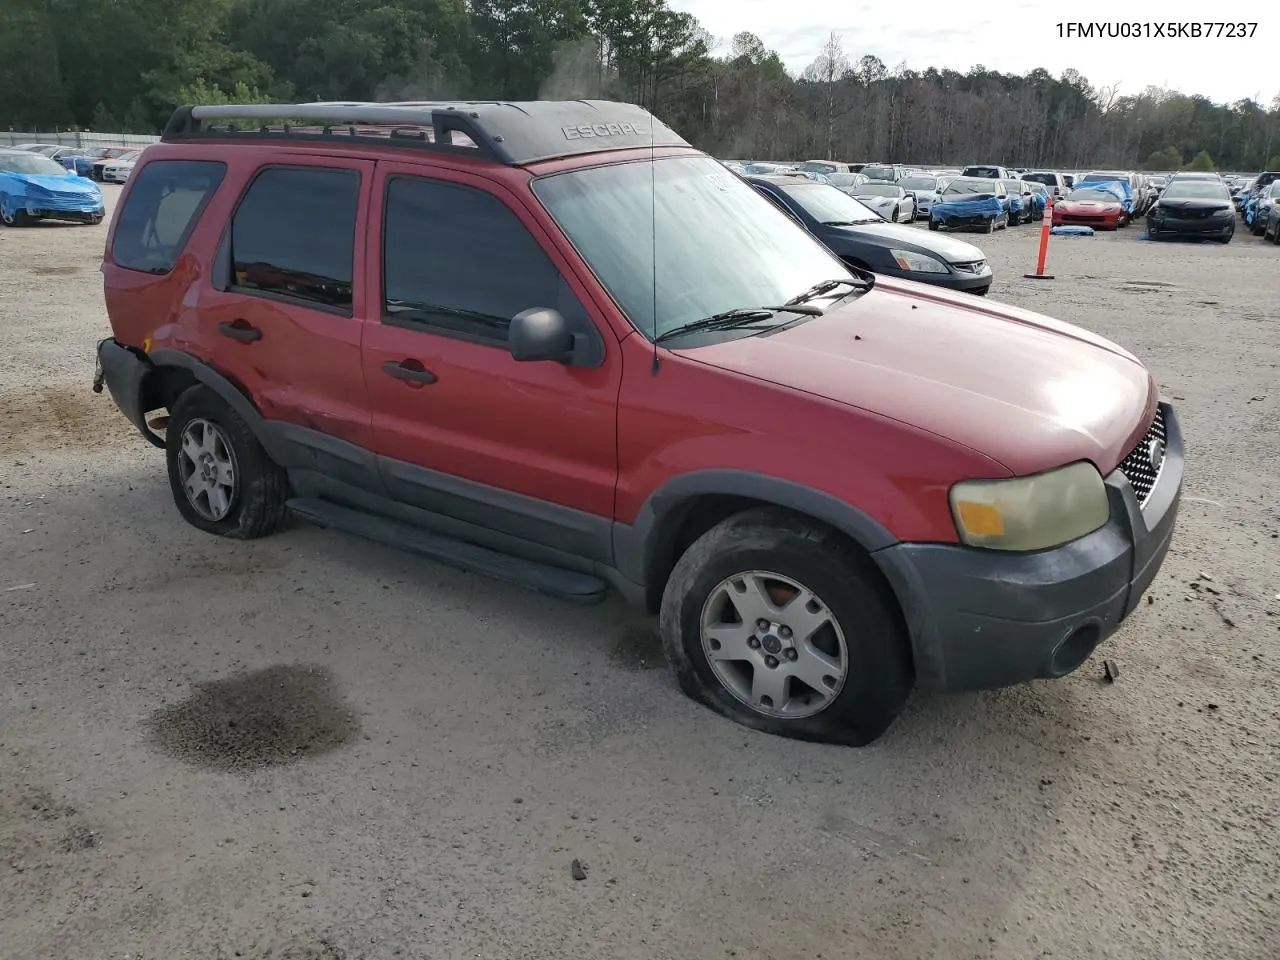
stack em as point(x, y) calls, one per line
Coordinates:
point(887, 199)
point(925, 187)
point(118, 170)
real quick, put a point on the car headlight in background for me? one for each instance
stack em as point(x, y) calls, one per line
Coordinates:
point(1031, 513)
point(917, 262)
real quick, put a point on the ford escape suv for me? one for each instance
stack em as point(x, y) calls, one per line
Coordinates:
point(553, 343)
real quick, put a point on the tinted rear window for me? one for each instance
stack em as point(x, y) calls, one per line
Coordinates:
point(293, 236)
point(163, 207)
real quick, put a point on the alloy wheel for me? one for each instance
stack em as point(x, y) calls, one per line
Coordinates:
point(774, 644)
point(207, 467)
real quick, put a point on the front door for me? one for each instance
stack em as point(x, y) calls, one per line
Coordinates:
point(527, 449)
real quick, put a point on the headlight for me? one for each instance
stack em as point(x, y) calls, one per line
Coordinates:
point(917, 262)
point(1031, 513)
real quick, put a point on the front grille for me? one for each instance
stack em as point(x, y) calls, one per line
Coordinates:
point(1142, 466)
point(975, 266)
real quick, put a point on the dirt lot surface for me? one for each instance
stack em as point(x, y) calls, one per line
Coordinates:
point(313, 747)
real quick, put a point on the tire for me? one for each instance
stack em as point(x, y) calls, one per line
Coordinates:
point(894, 217)
point(990, 227)
point(785, 551)
point(257, 490)
point(19, 218)
point(94, 220)
point(933, 224)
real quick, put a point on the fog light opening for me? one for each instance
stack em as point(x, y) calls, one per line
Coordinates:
point(1074, 650)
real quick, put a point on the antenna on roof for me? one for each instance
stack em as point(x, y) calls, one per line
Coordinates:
point(653, 234)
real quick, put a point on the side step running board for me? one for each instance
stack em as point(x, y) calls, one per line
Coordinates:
point(543, 578)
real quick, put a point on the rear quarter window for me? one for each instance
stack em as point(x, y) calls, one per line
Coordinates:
point(162, 208)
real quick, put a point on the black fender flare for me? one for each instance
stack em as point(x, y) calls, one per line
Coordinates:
point(638, 545)
point(207, 375)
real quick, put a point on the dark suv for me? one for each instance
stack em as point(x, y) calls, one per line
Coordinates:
point(554, 343)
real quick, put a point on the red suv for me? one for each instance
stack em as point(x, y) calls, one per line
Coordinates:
point(553, 343)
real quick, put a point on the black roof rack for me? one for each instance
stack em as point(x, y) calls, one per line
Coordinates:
point(511, 133)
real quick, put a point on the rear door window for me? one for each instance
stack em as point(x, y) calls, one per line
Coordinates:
point(163, 206)
point(293, 236)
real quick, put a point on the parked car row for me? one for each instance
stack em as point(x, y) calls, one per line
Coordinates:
point(90, 162)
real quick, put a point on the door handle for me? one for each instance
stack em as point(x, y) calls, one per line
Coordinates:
point(411, 371)
point(241, 330)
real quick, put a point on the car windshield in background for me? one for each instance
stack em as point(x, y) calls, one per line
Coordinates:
point(1196, 190)
point(990, 172)
point(878, 173)
point(32, 164)
point(720, 246)
point(919, 183)
point(1048, 179)
point(830, 206)
point(846, 179)
point(877, 190)
point(817, 166)
point(1105, 196)
point(969, 185)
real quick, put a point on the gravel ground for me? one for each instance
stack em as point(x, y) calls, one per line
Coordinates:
point(313, 747)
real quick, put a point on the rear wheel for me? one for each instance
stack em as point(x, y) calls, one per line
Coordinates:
point(222, 480)
point(784, 626)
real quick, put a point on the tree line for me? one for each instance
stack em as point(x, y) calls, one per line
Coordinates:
point(122, 65)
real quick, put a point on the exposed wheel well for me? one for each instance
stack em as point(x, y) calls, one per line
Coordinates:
point(699, 514)
point(167, 382)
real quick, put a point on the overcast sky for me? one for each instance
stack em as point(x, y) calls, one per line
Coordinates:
point(1021, 37)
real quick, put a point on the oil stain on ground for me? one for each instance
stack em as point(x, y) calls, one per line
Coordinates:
point(252, 720)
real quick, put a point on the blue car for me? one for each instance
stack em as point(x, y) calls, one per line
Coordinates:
point(33, 188)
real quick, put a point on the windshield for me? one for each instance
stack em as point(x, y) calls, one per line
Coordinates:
point(1106, 196)
point(1044, 178)
point(31, 163)
point(830, 206)
point(985, 172)
point(817, 166)
point(876, 172)
point(845, 179)
point(876, 190)
point(1195, 190)
point(970, 185)
point(719, 245)
point(919, 183)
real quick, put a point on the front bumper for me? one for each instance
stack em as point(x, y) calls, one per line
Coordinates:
point(75, 209)
point(952, 223)
point(1196, 227)
point(980, 619)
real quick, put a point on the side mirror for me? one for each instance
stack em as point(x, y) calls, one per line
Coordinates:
point(540, 333)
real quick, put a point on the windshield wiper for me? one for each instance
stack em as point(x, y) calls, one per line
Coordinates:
point(738, 317)
point(848, 223)
point(826, 286)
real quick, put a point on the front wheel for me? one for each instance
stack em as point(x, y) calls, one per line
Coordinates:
point(782, 625)
point(990, 227)
point(12, 217)
point(933, 224)
point(222, 480)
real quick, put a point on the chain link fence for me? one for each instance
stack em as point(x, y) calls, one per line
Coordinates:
point(76, 138)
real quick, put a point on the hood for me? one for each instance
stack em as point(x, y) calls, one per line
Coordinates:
point(1023, 389)
point(964, 197)
point(1194, 203)
point(909, 238)
point(60, 184)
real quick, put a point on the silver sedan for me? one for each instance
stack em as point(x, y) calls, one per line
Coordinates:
point(887, 199)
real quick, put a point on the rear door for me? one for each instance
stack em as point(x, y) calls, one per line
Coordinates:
point(527, 449)
point(284, 315)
